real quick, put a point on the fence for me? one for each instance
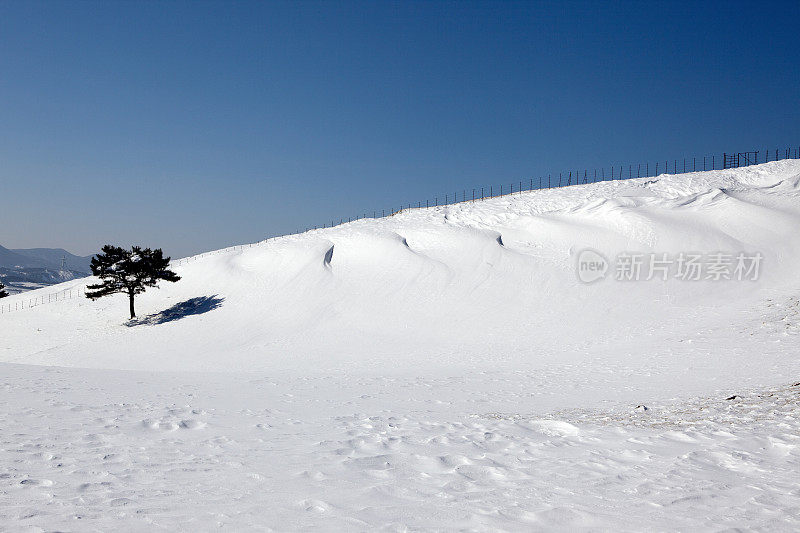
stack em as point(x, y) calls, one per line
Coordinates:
point(565, 179)
point(27, 302)
point(582, 177)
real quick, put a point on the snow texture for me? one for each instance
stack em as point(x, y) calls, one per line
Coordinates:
point(441, 369)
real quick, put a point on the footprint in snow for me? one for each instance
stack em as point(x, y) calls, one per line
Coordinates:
point(551, 428)
point(314, 506)
point(155, 424)
point(36, 482)
point(172, 426)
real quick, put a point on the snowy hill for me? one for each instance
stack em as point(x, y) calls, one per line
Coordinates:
point(420, 366)
point(474, 283)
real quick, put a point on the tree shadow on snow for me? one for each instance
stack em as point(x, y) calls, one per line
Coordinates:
point(193, 306)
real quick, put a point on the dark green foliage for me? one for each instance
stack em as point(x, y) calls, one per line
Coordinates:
point(3, 293)
point(128, 271)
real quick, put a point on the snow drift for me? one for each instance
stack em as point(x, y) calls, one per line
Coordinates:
point(438, 369)
point(457, 286)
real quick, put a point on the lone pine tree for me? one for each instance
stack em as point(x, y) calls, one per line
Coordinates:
point(128, 271)
point(3, 293)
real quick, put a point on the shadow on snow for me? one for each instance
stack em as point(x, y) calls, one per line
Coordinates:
point(193, 306)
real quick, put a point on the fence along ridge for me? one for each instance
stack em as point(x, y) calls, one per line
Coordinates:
point(565, 179)
point(581, 177)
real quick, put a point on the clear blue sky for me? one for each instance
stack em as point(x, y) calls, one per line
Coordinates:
point(196, 125)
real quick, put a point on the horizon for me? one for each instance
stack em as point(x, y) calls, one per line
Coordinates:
point(687, 165)
point(195, 126)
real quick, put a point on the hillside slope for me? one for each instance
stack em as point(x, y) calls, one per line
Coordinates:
point(485, 283)
point(438, 369)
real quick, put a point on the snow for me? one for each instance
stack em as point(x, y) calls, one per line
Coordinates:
point(438, 369)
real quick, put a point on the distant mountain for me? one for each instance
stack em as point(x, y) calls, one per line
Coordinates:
point(32, 268)
point(11, 259)
point(19, 280)
point(47, 258)
point(51, 257)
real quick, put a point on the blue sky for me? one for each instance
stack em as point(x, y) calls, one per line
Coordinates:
point(196, 125)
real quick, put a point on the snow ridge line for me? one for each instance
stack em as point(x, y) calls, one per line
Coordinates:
point(572, 178)
point(15, 303)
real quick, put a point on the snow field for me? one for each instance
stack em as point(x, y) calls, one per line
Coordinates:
point(439, 369)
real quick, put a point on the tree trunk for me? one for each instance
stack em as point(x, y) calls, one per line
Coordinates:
point(133, 313)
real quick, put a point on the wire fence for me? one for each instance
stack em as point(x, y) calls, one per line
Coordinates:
point(584, 176)
point(550, 181)
point(22, 301)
